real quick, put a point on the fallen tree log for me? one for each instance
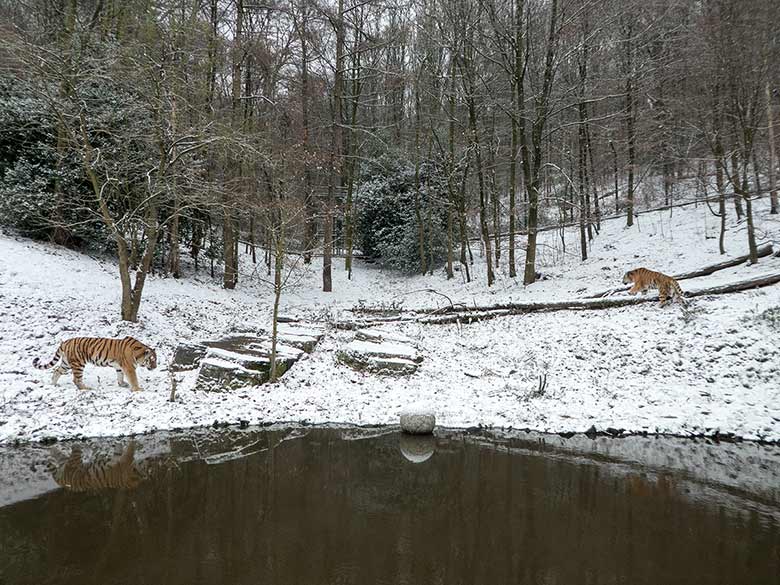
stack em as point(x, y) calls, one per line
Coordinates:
point(484, 313)
point(455, 308)
point(364, 323)
point(763, 251)
point(739, 286)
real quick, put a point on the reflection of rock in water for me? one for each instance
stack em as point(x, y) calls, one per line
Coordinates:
point(417, 448)
point(77, 476)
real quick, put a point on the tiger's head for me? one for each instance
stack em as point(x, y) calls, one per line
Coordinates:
point(628, 277)
point(149, 359)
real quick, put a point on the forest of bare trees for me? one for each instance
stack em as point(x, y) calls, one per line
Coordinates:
point(421, 132)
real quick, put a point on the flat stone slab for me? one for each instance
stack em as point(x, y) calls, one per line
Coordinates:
point(189, 355)
point(301, 335)
point(379, 336)
point(385, 357)
point(237, 361)
point(244, 359)
point(224, 370)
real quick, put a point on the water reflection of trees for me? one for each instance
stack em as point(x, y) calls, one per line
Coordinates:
point(322, 510)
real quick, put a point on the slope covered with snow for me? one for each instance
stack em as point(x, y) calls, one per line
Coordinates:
point(714, 367)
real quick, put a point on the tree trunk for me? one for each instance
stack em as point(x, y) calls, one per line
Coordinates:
point(352, 160)
point(417, 211)
point(336, 153)
point(531, 169)
point(494, 195)
point(582, 188)
point(310, 228)
point(228, 249)
point(451, 204)
point(229, 234)
point(464, 237)
point(630, 123)
point(279, 248)
point(615, 171)
point(481, 181)
point(252, 246)
point(773, 209)
point(721, 186)
point(751, 230)
point(596, 207)
point(736, 182)
point(173, 259)
point(512, 191)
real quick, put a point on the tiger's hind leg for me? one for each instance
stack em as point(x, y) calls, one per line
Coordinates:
point(58, 371)
point(662, 294)
point(78, 376)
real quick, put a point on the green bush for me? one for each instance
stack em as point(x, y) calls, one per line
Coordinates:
point(386, 222)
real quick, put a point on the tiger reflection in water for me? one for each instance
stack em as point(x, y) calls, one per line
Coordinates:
point(99, 474)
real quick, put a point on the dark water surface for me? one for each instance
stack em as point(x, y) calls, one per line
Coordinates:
point(333, 506)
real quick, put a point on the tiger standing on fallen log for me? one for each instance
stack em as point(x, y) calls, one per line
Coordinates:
point(121, 354)
point(644, 279)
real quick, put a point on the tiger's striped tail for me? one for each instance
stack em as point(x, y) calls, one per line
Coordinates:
point(678, 291)
point(50, 364)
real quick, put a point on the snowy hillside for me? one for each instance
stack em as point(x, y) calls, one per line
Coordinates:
point(714, 367)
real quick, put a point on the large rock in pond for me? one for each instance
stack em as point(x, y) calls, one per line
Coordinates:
point(379, 352)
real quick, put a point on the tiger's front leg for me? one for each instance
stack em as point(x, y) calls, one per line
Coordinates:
point(634, 289)
point(129, 371)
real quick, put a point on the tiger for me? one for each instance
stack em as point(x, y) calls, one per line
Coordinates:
point(77, 476)
point(644, 279)
point(121, 354)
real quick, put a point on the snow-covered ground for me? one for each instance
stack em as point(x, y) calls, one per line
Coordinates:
point(714, 367)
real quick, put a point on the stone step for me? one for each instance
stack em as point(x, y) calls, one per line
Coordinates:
point(386, 357)
point(244, 359)
point(379, 336)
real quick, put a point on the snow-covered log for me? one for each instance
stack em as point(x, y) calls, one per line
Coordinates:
point(763, 251)
point(498, 310)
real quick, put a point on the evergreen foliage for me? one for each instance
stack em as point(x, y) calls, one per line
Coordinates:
point(387, 226)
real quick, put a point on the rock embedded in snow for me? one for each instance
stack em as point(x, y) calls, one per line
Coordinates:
point(244, 360)
point(304, 336)
point(381, 357)
point(418, 420)
point(235, 362)
point(379, 336)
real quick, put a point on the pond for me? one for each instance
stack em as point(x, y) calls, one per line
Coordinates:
point(371, 506)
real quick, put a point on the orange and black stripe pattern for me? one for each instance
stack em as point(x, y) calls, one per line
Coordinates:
point(121, 354)
point(77, 476)
point(644, 279)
